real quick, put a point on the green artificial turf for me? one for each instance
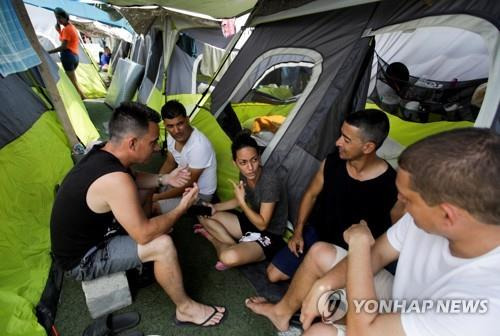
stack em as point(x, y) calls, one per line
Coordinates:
point(202, 283)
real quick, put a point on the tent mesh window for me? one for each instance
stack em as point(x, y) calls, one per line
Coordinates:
point(423, 100)
point(282, 85)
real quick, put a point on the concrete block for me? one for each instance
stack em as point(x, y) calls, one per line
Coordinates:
point(106, 294)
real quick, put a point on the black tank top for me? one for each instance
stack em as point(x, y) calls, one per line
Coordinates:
point(344, 201)
point(74, 228)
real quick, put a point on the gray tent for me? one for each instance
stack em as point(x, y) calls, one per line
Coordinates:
point(334, 40)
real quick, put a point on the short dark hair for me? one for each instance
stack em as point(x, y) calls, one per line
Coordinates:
point(131, 117)
point(458, 167)
point(61, 13)
point(241, 140)
point(374, 125)
point(173, 109)
point(398, 71)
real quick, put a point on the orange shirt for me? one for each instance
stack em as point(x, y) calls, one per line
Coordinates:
point(70, 35)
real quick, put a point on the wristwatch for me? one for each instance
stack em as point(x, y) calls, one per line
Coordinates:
point(160, 183)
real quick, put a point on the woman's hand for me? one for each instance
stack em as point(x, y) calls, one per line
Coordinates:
point(239, 192)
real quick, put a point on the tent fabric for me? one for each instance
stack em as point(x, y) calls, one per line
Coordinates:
point(14, 92)
point(77, 113)
point(83, 10)
point(142, 19)
point(490, 34)
point(120, 50)
point(464, 58)
point(432, 100)
point(211, 36)
point(341, 36)
point(16, 53)
point(215, 9)
point(26, 197)
point(153, 73)
point(179, 68)
point(407, 132)
point(390, 12)
point(138, 53)
point(246, 111)
point(124, 83)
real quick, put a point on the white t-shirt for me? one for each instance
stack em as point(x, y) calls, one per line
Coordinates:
point(197, 153)
point(427, 270)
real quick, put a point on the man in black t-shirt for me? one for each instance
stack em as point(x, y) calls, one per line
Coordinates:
point(100, 188)
point(352, 184)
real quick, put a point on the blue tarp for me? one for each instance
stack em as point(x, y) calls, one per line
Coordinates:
point(82, 10)
point(16, 54)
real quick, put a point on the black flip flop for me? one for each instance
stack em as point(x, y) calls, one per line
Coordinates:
point(112, 324)
point(179, 323)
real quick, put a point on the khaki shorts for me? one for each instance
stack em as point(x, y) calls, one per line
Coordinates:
point(383, 286)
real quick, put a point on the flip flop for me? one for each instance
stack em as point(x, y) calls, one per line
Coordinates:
point(112, 324)
point(179, 323)
point(220, 266)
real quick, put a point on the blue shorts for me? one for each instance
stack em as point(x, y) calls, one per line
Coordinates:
point(117, 254)
point(286, 261)
point(69, 60)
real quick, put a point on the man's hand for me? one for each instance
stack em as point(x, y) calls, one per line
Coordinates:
point(177, 177)
point(58, 28)
point(189, 197)
point(309, 310)
point(296, 244)
point(359, 233)
point(211, 206)
point(239, 192)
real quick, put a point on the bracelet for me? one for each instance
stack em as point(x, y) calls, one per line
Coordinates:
point(160, 183)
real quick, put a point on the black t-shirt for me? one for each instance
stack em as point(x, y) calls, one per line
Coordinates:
point(344, 201)
point(74, 228)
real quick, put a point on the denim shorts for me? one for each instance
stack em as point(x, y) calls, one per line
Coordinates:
point(69, 60)
point(117, 254)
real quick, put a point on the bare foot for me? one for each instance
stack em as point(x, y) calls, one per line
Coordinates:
point(259, 305)
point(200, 314)
point(204, 233)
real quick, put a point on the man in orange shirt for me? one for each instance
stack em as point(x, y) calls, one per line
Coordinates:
point(68, 36)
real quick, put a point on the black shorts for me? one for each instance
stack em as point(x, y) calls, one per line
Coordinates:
point(69, 60)
point(269, 242)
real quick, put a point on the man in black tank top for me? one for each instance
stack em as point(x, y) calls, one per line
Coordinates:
point(101, 189)
point(352, 184)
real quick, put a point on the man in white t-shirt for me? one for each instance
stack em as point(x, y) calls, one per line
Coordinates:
point(186, 147)
point(447, 280)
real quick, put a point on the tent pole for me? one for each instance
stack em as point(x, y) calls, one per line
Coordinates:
point(45, 73)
